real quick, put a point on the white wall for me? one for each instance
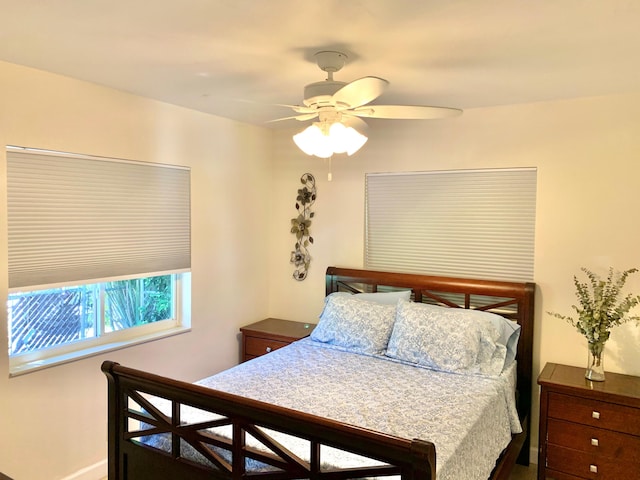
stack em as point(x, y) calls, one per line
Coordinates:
point(53, 422)
point(587, 155)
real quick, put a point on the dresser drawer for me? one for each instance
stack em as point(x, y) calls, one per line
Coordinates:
point(594, 413)
point(555, 475)
point(585, 465)
point(256, 346)
point(595, 441)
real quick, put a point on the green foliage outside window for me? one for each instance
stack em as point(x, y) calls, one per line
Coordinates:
point(138, 301)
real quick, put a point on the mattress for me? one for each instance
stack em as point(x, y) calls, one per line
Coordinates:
point(469, 418)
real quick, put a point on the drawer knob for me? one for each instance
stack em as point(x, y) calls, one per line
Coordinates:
point(594, 442)
point(268, 349)
point(593, 468)
point(595, 415)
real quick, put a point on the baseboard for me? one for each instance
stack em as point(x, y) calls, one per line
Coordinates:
point(97, 471)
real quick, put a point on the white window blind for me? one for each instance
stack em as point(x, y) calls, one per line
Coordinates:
point(74, 218)
point(465, 223)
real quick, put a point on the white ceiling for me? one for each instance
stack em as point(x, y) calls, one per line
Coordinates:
point(235, 58)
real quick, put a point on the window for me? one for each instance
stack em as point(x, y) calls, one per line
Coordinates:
point(99, 254)
point(461, 223)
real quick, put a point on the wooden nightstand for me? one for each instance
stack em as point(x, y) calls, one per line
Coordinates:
point(270, 334)
point(588, 430)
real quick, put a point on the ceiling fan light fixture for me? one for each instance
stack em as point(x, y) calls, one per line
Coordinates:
point(311, 142)
point(323, 140)
point(346, 139)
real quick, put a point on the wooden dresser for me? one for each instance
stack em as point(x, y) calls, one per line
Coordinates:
point(588, 430)
point(270, 334)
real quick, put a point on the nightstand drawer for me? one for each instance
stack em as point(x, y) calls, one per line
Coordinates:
point(584, 465)
point(259, 346)
point(594, 413)
point(270, 334)
point(595, 441)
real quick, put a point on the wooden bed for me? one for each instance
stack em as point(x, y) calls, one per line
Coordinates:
point(128, 405)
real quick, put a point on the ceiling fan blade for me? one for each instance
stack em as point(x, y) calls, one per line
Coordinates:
point(298, 108)
point(407, 112)
point(295, 108)
point(360, 92)
point(300, 118)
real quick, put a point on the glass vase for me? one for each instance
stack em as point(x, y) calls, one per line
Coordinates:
point(595, 362)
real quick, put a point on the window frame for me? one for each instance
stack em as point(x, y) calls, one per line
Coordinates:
point(109, 341)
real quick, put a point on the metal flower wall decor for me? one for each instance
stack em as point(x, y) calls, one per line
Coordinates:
point(300, 226)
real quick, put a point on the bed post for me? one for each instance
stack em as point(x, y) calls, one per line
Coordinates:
point(113, 423)
point(423, 455)
point(525, 366)
point(330, 282)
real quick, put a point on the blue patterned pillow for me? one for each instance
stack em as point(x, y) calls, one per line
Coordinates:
point(446, 339)
point(356, 325)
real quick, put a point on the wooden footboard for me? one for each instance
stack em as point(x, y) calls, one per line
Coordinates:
point(132, 418)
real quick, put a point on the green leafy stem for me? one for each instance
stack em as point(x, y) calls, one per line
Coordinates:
point(601, 307)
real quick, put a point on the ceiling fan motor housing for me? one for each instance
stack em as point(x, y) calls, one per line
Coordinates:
point(320, 93)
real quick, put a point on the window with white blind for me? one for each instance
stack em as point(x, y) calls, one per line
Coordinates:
point(99, 254)
point(464, 223)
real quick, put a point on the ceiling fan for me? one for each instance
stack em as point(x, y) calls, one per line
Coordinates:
point(339, 106)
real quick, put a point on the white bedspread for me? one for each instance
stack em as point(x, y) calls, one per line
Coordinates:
point(470, 419)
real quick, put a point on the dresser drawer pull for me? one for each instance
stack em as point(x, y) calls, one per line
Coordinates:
point(594, 442)
point(595, 415)
point(268, 349)
point(593, 468)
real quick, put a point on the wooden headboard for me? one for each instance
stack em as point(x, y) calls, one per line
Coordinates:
point(513, 300)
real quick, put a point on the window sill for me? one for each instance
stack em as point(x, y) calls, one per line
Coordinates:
point(22, 368)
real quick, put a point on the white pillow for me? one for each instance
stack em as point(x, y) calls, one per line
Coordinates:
point(446, 339)
point(354, 324)
point(387, 298)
